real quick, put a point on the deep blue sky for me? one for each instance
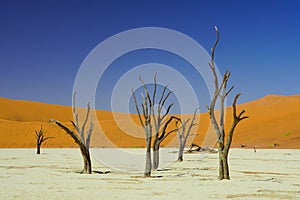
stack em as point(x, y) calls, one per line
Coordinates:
point(43, 43)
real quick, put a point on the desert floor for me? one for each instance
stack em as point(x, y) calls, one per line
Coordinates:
point(266, 174)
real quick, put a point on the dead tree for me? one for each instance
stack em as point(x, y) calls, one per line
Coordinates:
point(145, 120)
point(160, 121)
point(151, 117)
point(221, 93)
point(40, 139)
point(183, 133)
point(196, 148)
point(81, 138)
point(159, 137)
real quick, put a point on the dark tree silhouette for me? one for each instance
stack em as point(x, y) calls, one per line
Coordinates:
point(40, 139)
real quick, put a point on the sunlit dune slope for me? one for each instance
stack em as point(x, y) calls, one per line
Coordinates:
point(274, 120)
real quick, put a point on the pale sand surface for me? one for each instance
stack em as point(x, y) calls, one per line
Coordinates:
point(267, 174)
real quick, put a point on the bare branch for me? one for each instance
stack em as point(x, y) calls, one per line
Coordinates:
point(89, 134)
point(147, 109)
point(47, 138)
point(168, 133)
point(167, 111)
point(74, 112)
point(186, 121)
point(163, 94)
point(164, 134)
point(68, 131)
point(234, 106)
point(217, 87)
point(237, 119)
point(212, 62)
point(154, 91)
point(245, 117)
point(137, 108)
point(163, 102)
point(216, 43)
point(241, 113)
point(146, 91)
point(222, 100)
point(40, 137)
point(227, 93)
point(193, 120)
point(84, 123)
point(156, 121)
point(75, 126)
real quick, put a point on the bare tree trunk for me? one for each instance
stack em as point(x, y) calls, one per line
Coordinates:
point(155, 154)
point(221, 160)
point(148, 166)
point(181, 141)
point(180, 153)
point(226, 167)
point(38, 149)
point(223, 166)
point(87, 164)
point(84, 151)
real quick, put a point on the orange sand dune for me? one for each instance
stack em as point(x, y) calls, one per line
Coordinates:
point(273, 119)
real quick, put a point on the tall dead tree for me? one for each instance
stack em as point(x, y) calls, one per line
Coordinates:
point(81, 138)
point(40, 139)
point(221, 93)
point(145, 120)
point(183, 133)
point(161, 121)
point(151, 117)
